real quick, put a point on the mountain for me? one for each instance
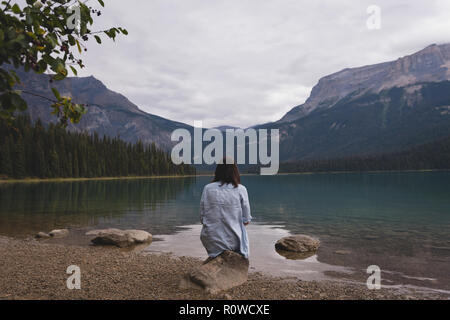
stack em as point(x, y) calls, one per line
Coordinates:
point(382, 108)
point(109, 112)
point(431, 64)
point(374, 109)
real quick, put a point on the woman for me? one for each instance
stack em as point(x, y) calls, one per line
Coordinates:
point(224, 212)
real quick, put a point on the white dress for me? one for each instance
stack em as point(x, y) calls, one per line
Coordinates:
point(223, 212)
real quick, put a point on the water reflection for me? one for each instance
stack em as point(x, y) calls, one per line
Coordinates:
point(29, 208)
point(263, 257)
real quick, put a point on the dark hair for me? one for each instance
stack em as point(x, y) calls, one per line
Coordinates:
point(227, 172)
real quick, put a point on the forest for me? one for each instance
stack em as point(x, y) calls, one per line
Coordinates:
point(429, 156)
point(32, 150)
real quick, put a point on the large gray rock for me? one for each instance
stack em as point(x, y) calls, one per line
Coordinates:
point(120, 238)
point(298, 244)
point(224, 272)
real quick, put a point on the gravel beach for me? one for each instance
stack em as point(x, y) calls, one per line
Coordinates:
point(33, 270)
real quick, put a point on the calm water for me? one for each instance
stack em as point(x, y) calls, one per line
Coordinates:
point(398, 221)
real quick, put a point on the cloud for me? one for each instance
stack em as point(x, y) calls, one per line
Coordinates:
point(240, 63)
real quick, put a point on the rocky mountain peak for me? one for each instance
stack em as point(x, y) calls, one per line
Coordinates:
point(431, 64)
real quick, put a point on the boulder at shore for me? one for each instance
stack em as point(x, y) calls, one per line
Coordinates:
point(120, 238)
point(298, 243)
point(224, 272)
point(59, 233)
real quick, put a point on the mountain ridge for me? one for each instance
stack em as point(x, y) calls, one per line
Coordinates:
point(392, 120)
point(108, 112)
point(431, 64)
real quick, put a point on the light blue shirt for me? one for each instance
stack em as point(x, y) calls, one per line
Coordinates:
point(223, 212)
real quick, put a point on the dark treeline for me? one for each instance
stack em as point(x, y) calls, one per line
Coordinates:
point(433, 155)
point(31, 150)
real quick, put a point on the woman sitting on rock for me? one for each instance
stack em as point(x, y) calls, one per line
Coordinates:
point(224, 212)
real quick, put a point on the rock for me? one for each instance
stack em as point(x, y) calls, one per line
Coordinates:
point(139, 236)
point(298, 244)
point(59, 233)
point(224, 272)
point(120, 238)
point(42, 235)
point(291, 255)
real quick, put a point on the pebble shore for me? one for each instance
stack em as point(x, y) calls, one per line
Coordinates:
point(34, 270)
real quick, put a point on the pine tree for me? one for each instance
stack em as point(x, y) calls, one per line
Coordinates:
point(6, 163)
point(75, 171)
point(40, 164)
point(54, 164)
point(19, 159)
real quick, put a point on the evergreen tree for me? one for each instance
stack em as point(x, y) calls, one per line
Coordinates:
point(40, 163)
point(75, 172)
point(19, 159)
point(5, 154)
point(54, 164)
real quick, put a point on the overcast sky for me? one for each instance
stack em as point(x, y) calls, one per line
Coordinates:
point(246, 62)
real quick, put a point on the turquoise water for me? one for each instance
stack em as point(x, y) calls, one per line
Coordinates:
point(399, 221)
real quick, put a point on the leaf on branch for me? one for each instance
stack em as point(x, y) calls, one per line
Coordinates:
point(74, 70)
point(16, 9)
point(56, 94)
point(78, 46)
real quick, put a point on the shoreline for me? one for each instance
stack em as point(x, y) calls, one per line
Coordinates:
point(370, 171)
point(205, 174)
point(39, 180)
point(30, 269)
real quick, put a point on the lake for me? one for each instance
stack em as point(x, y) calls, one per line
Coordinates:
point(398, 221)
